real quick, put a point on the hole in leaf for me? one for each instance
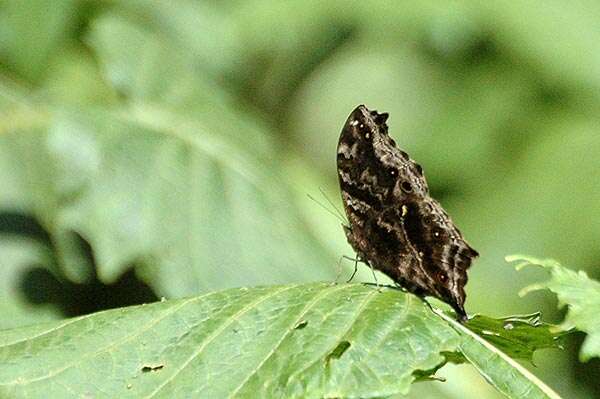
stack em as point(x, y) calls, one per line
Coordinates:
point(428, 375)
point(339, 350)
point(301, 325)
point(147, 369)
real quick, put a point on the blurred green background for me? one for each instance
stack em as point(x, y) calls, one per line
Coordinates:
point(154, 148)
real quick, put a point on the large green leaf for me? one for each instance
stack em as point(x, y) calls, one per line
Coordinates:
point(158, 190)
point(146, 68)
point(312, 340)
point(170, 180)
point(575, 290)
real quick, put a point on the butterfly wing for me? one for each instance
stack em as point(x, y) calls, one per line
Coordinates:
point(444, 255)
point(394, 224)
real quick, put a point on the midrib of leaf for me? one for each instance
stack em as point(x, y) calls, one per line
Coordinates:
point(237, 165)
point(536, 383)
point(222, 153)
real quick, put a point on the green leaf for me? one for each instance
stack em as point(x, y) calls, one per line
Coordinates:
point(575, 290)
point(311, 340)
point(158, 190)
point(147, 69)
point(517, 336)
point(503, 373)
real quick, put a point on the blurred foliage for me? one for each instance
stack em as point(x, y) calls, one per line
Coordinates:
point(576, 291)
point(167, 150)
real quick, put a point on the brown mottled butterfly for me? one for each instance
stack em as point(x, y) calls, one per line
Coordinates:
point(394, 224)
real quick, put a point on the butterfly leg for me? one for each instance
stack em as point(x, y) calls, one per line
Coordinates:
point(355, 260)
point(374, 276)
point(355, 269)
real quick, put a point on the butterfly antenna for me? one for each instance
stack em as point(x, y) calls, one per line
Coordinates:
point(327, 209)
point(333, 205)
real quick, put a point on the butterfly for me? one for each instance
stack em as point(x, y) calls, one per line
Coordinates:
point(393, 223)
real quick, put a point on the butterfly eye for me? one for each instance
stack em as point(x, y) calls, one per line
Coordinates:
point(393, 172)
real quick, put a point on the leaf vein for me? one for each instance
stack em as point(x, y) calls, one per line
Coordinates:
point(215, 334)
point(308, 306)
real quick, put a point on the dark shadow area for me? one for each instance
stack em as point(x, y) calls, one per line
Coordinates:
point(23, 225)
point(587, 373)
point(39, 286)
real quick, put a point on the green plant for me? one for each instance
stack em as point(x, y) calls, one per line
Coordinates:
point(151, 150)
point(303, 340)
